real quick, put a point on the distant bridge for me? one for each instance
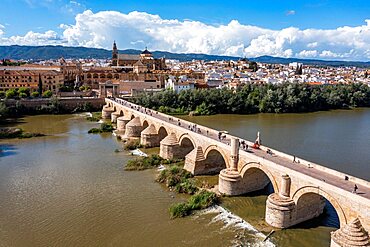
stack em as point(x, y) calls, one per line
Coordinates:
point(300, 187)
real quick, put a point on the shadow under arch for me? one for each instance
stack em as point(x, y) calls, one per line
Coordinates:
point(313, 194)
point(162, 133)
point(215, 160)
point(132, 116)
point(121, 113)
point(223, 154)
point(186, 145)
point(114, 108)
point(145, 124)
point(256, 177)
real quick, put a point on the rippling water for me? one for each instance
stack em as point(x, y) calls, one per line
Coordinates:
point(70, 189)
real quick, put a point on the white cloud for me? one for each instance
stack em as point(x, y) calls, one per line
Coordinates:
point(140, 29)
point(290, 12)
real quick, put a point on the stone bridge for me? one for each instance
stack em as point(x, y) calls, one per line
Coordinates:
point(300, 187)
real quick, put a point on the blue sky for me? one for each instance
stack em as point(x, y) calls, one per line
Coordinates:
point(48, 21)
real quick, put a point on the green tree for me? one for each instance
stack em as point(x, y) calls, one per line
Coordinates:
point(24, 90)
point(47, 94)
point(35, 94)
point(11, 94)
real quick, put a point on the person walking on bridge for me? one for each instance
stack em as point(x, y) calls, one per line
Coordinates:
point(355, 188)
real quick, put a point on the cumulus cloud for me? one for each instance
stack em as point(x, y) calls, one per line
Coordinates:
point(140, 29)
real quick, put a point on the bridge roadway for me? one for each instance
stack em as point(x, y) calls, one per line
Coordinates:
point(326, 177)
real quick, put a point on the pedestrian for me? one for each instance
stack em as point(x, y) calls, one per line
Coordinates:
point(355, 189)
point(294, 159)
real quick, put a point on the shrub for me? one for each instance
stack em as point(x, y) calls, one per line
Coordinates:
point(35, 94)
point(173, 175)
point(23, 95)
point(179, 210)
point(94, 131)
point(132, 145)
point(143, 163)
point(47, 94)
point(106, 127)
point(187, 187)
point(201, 200)
point(11, 94)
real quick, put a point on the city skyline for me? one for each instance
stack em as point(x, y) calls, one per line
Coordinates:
point(331, 30)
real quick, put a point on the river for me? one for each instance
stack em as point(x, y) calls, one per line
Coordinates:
point(69, 188)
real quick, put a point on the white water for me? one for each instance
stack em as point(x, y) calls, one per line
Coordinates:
point(138, 152)
point(234, 221)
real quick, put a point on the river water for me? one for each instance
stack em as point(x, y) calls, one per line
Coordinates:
point(69, 188)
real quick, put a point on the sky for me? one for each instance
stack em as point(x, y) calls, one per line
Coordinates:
point(320, 29)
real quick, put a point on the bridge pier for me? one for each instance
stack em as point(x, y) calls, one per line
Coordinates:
point(121, 123)
point(280, 208)
point(114, 117)
point(169, 147)
point(134, 128)
point(194, 162)
point(229, 180)
point(350, 235)
point(106, 112)
point(149, 137)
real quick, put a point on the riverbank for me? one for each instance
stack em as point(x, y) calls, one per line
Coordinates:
point(10, 108)
point(10, 133)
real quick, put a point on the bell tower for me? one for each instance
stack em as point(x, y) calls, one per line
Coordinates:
point(114, 54)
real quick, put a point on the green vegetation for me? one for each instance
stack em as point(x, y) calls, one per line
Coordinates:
point(104, 127)
point(96, 116)
point(47, 94)
point(144, 163)
point(7, 133)
point(201, 200)
point(177, 178)
point(251, 98)
point(132, 145)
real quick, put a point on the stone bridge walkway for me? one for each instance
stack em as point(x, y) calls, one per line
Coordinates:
point(283, 161)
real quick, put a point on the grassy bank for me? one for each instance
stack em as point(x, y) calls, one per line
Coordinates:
point(132, 145)
point(96, 116)
point(144, 163)
point(104, 127)
point(201, 200)
point(9, 133)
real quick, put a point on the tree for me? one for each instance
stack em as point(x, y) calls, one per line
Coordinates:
point(11, 94)
point(24, 90)
point(3, 111)
point(23, 95)
point(35, 94)
point(40, 85)
point(47, 94)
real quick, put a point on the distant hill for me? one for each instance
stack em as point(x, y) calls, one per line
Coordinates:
point(280, 60)
point(55, 52)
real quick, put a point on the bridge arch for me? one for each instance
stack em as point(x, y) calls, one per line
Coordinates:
point(186, 144)
point(121, 113)
point(132, 116)
point(145, 124)
point(187, 136)
point(162, 133)
point(219, 150)
point(114, 108)
point(299, 195)
point(253, 172)
point(215, 160)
